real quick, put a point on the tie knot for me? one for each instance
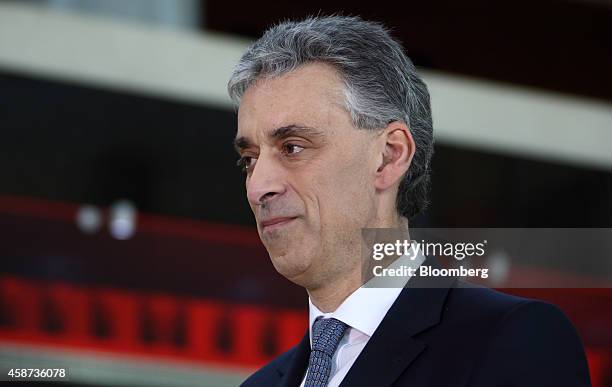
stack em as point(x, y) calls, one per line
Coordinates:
point(326, 335)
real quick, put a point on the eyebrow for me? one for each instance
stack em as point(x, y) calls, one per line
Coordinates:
point(242, 142)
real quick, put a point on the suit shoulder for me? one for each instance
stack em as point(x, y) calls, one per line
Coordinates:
point(479, 310)
point(481, 301)
point(540, 323)
point(269, 373)
point(514, 338)
point(536, 340)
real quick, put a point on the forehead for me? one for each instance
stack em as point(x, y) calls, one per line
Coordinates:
point(310, 95)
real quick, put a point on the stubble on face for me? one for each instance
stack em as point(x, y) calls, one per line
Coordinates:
point(326, 186)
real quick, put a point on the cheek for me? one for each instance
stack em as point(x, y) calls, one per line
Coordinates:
point(336, 188)
point(345, 194)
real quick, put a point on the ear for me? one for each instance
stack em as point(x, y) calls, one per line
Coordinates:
point(398, 149)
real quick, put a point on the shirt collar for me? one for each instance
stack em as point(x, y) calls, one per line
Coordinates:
point(366, 307)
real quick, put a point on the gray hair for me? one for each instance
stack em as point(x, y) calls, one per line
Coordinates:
point(380, 83)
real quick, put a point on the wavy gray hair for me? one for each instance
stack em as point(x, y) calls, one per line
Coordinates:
point(380, 83)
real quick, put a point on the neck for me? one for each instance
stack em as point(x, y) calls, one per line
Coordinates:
point(328, 296)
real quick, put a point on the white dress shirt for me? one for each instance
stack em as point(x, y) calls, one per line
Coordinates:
point(362, 311)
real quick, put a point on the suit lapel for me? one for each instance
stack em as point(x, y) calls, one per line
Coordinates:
point(392, 347)
point(293, 371)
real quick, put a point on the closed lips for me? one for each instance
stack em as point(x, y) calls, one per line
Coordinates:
point(272, 221)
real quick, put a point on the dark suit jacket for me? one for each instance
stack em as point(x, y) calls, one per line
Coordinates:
point(455, 335)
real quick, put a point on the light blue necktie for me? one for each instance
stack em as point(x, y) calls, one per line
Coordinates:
point(326, 334)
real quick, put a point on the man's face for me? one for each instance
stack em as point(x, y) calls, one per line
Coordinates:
point(309, 173)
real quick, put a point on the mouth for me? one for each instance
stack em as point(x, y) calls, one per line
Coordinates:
point(276, 223)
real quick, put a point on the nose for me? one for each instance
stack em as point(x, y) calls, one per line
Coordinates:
point(265, 182)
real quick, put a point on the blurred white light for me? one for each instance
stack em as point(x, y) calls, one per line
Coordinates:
point(122, 223)
point(499, 266)
point(89, 219)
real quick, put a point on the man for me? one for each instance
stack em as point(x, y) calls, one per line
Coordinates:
point(335, 136)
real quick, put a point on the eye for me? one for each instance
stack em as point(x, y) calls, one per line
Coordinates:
point(246, 163)
point(292, 148)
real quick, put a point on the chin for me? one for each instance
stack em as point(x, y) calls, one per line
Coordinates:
point(293, 265)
